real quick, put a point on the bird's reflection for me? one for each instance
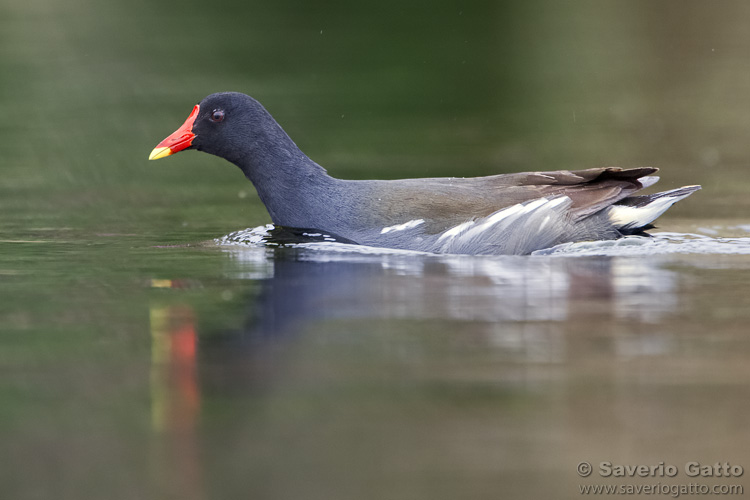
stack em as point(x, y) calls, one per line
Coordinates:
point(529, 309)
point(414, 325)
point(300, 286)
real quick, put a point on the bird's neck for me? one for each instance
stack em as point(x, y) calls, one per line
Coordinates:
point(293, 188)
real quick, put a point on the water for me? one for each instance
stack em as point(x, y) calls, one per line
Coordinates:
point(658, 243)
point(141, 359)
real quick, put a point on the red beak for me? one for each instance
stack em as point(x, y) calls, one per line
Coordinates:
point(179, 139)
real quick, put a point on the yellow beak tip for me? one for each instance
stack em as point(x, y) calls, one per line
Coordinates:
point(159, 153)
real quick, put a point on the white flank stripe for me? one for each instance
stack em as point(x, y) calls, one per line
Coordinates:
point(558, 201)
point(456, 230)
point(401, 227)
point(544, 223)
point(511, 213)
point(503, 214)
point(515, 212)
point(471, 228)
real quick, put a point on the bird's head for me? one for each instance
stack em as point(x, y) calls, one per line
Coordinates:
point(222, 124)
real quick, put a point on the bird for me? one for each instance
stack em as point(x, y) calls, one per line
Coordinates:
point(503, 214)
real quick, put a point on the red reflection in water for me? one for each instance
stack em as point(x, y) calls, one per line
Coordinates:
point(175, 402)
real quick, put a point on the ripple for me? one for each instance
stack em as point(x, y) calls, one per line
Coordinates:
point(663, 243)
point(658, 244)
point(250, 237)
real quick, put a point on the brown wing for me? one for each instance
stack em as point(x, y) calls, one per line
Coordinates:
point(444, 202)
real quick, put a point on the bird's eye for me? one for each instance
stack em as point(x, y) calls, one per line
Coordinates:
point(217, 115)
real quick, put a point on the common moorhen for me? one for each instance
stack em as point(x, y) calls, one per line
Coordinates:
point(499, 214)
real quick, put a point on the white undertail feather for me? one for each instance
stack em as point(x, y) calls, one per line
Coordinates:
point(648, 181)
point(647, 209)
point(623, 216)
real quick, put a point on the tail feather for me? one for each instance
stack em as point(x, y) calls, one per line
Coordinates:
point(636, 213)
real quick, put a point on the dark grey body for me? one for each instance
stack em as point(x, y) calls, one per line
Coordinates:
point(299, 193)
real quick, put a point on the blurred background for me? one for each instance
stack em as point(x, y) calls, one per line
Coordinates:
point(135, 369)
point(369, 91)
